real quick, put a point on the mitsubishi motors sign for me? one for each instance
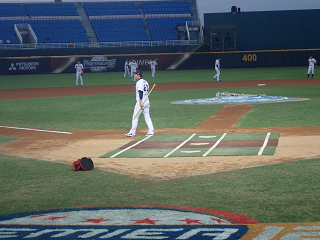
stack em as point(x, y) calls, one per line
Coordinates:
point(26, 66)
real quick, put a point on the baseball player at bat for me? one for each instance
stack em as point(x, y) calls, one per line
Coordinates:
point(142, 106)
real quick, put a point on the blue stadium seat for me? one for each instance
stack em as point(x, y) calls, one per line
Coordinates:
point(164, 28)
point(7, 31)
point(113, 8)
point(66, 9)
point(174, 7)
point(12, 10)
point(115, 30)
point(59, 31)
point(124, 28)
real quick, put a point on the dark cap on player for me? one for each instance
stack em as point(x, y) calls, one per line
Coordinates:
point(139, 72)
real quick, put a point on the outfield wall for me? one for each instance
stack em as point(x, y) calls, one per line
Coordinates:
point(268, 30)
point(166, 61)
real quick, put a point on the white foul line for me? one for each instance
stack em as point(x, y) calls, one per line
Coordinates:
point(264, 144)
point(181, 144)
point(114, 155)
point(216, 144)
point(36, 130)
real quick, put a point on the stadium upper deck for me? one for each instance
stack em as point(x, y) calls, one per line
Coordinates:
point(98, 22)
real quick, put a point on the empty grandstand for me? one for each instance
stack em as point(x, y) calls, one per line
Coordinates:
point(12, 10)
point(112, 8)
point(96, 23)
point(67, 9)
point(118, 30)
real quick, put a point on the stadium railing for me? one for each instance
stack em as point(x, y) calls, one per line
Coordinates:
point(98, 45)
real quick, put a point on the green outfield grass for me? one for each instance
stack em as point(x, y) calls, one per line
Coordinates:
point(290, 195)
point(111, 78)
point(286, 192)
point(114, 111)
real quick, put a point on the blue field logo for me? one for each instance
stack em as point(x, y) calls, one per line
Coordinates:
point(147, 222)
point(125, 222)
point(238, 99)
point(123, 232)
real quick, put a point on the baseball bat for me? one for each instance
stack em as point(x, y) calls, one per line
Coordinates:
point(144, 101)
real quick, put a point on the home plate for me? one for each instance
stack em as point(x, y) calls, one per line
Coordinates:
point(191, 151)
point(207, 136)
point(199, 144)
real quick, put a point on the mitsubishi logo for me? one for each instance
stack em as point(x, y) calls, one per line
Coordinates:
point(12, 67)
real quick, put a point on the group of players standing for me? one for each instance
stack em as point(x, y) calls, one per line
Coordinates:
point(129, 68)
point(132, 66)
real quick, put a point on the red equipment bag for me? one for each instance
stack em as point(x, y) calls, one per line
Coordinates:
point(76, 165)
point(84, 163)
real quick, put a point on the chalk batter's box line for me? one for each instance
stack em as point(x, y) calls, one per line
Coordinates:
point(194, 145)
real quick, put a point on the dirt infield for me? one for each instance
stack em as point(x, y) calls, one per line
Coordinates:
point(295, 142)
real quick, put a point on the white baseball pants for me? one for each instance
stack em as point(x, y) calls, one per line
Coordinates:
point(78, 75)
point(126, 71)
point(311, 69)
point(132, 75)
point(146, 113)
point(217, 75)
point(153, 70)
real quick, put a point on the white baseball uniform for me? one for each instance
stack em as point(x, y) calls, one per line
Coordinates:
point(217, 68)
point(153, 65)
point(126, 69)
point(133, 67)
point(142, 85)
point(312, 63)
point(79, 68)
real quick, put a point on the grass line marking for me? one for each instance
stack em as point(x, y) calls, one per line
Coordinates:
point(114, 155)
point(264, 144)
point(195, 151)
point(199, 144)
point(36, 130)
point(181, 144)
point(216, 144)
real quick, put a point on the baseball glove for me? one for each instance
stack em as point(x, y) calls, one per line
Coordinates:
point(81, 74)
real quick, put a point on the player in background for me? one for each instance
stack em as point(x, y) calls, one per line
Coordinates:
point(312, 65)
point(79, 72)
point(142, 91)
point(126, 68)
point(133, 67)
point(153, 64)
point(217, 68)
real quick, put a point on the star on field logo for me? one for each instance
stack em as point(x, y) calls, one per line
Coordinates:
point(125, 222)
